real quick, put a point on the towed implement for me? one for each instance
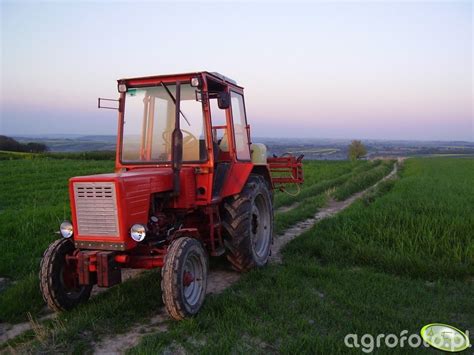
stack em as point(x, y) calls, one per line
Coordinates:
point(188, 185)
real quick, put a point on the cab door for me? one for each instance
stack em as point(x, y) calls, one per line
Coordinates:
point(241, 166)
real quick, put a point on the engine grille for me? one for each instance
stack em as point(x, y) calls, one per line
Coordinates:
point(96, 208)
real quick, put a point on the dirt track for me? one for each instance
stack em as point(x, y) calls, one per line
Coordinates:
point(219, 280)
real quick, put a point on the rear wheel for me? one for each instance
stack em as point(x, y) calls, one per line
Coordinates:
point(184, 278)
point(59, 282)
point(248, 225)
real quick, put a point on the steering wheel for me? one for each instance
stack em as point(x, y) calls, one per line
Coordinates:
point(188, 140)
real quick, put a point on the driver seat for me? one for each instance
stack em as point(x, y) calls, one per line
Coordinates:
point(191, 150)
point(224, 143)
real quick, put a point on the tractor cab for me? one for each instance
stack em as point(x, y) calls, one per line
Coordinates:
point(211, 109)
point(192, 120)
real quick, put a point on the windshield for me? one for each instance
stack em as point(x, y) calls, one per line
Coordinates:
point(149, 122)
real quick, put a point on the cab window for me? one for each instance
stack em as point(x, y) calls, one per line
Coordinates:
point(240, 126)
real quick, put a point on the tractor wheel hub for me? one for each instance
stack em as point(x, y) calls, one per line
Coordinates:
point(188, 278)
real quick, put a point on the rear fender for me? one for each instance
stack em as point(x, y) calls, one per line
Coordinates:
point(263, 171)
point(236, 178)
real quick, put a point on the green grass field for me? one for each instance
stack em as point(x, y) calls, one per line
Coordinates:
point(397, 262)
point(34, 201)
point(400, 258)
point(424, 227)
point(39, 186)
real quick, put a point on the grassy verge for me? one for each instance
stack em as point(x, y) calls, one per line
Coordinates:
point(33, 202)
point(112, 311)
point(312, 197)
point(359, 182)
point(305, 210)
point(322, 175)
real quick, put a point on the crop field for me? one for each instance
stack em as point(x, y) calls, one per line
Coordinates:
point(34, 201)
point(399, 258)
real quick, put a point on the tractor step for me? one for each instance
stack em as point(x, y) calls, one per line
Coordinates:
point(218, 252)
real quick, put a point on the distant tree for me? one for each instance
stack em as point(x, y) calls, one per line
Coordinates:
point(356, 150)
point(36, 147)
point(12, 145)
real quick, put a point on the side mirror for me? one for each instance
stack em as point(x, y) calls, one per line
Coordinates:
point(110, 104)
point(223, 100)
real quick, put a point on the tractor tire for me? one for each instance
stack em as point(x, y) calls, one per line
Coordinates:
point(59, 282)
point(184, 278)
point(247, 220)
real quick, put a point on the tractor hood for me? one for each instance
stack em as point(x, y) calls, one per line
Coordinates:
point(150, 179)
point(105, 206)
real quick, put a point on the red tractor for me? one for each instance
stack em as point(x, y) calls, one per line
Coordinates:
point(188, 184)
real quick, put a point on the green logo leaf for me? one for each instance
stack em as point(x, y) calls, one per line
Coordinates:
point(445, 337)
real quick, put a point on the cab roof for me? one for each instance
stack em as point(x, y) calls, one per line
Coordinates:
point(182, 76)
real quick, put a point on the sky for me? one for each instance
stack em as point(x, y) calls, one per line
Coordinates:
point(366, 70)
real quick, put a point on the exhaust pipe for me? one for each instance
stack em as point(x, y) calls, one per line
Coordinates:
point(177, 144)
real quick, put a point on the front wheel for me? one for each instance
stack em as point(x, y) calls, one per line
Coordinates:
point(184, 278)
point(59, 282)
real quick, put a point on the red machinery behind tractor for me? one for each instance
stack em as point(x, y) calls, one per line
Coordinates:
point(188, 184)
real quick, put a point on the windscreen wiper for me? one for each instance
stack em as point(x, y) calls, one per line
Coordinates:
point(174, 101)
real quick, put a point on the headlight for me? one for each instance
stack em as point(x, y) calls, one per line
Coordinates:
point(138, 232)
point(66, 229)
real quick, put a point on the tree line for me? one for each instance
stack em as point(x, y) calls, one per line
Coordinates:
point(12, 145)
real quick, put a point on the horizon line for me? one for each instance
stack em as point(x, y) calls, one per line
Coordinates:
point(69, 136)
